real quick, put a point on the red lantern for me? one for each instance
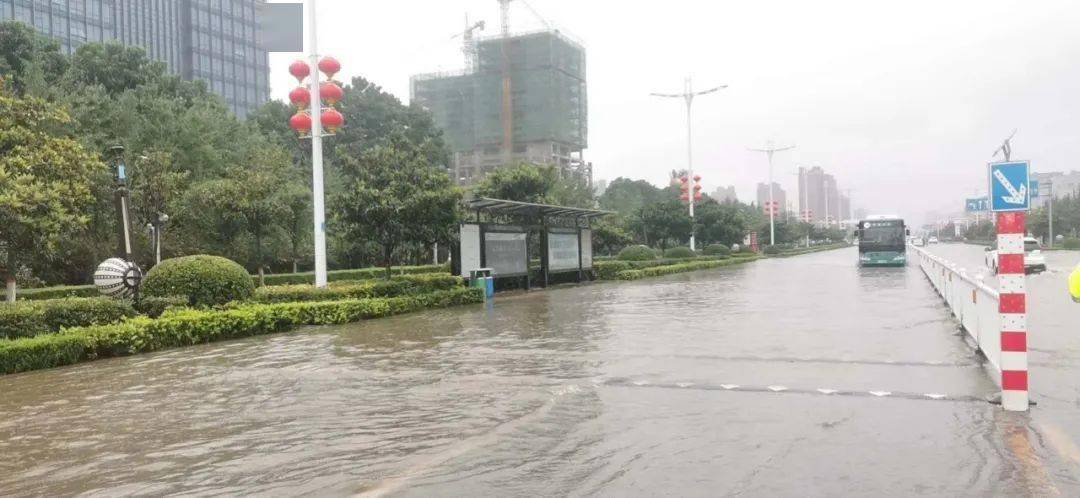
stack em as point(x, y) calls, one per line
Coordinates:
point(330, 92)
point(330, 66)
point(697, 196)
point(697, 188)
point(299, 70)
point(683, 179)
point(301, 122)
point(697, 178)
point(684, 188)
point(684, 197)
point(300, 97)
point(332, 120)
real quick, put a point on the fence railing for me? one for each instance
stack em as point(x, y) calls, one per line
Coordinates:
point(972, 302)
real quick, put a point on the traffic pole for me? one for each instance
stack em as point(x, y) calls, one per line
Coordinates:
point(1012, 310)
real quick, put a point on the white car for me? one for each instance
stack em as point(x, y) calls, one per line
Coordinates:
point(917, 241)
point(933, 240)
point(1034, 261)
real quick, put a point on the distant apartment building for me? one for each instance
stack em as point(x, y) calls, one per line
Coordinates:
point(778, 195)
point(212, 40)
point(1062, 184)
point(725, 194)
point(822, 196)
point(548, 106)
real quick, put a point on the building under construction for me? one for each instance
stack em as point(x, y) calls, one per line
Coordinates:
point(542, 119)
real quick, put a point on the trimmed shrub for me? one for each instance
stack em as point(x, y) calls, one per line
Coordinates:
point(178, 328)
point(153, 306)
point(717, 250)
point(1071, 244)
point(681, 252)
point(636, 253)
point(772, 250)
point(28, 319)
point(204, 280)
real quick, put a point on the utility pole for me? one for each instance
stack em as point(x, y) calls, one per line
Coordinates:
point(688, 95)
point(769, 150)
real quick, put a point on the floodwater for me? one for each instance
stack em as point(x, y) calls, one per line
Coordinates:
point(804, 376)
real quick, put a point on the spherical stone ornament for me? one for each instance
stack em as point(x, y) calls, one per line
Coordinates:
point(117, 278)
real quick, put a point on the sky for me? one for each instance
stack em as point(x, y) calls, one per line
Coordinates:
point(904, 102)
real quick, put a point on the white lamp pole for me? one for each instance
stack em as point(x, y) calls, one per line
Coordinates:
point(769, 150)
point(319, 207)
point(688, 95)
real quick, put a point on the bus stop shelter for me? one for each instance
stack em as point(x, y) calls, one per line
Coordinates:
point(499, 236)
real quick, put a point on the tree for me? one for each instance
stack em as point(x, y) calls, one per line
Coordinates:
point(45, 184)
point(252, 200)
point(626, 196)
point(30, 61)
point(608, 237)
point(662, 222)
point(113, 66)
point(522, 183)
point(394, 196)
point(719, 223)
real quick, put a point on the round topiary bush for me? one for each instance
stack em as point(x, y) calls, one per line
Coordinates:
point(680, 252)
point(717, 250)
point(637, 253)
point(204, 280)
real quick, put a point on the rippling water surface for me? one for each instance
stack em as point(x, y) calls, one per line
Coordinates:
point(791, 377)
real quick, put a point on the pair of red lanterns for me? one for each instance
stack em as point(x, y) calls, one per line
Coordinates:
point(684, 187)
point(329, 92)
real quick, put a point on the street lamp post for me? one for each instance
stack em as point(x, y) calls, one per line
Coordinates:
point(769, 150)
point(688, 95)
point(319, 207)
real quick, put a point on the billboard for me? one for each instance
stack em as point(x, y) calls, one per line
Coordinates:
point(562, 251)
point(586, 248)
point(470, 248)
point(506, 253)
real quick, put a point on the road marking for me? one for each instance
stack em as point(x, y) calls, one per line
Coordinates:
point(935, 396)
point(785, 390)
point(777, 389)
point(880, 393)
point(827, 391)
point(729, 387)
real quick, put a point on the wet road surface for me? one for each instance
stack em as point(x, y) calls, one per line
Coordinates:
point(804, 376)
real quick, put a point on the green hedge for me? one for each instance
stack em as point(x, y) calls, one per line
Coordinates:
point(58, 292)
point(280, 279)
point(190, 327)
point(357, 274)
point(657, 271)
point(153, 307)
point(717, 250)
point(607, 270)
point(1071, 244)
point(358, 289)
point(28, 319)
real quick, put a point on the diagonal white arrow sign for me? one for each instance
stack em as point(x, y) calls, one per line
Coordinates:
point(1015, 196)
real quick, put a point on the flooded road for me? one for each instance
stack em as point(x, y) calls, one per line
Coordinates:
point(804, 376)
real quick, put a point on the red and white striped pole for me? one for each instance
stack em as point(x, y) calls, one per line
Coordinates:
point(1012, 310)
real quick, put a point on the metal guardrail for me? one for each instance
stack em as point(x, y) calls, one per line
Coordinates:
point(972, 302)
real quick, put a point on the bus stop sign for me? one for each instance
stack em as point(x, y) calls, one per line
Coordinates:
point(1009, 187)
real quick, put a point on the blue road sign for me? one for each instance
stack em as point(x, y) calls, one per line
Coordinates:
point(1034, 189)
point(1009, 186)
point(977, 204)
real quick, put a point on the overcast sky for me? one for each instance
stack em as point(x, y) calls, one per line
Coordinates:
point(903, 101)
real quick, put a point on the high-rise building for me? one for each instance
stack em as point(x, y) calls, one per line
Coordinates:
point(778, 195)
point(1062, 184)
point(822, 196)
point(548, 110)
point(211, 40)
point(725, 194)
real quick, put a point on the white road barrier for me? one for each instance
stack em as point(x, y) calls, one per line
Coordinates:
point(975, 305)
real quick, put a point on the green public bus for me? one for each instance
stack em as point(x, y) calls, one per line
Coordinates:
point(882, 241)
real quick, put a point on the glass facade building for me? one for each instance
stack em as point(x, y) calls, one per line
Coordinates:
point(212, 40)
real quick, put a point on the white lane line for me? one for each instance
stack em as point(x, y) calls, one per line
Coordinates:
point(880, 393)
point(729, 387)
point(777, 389)
point(935, 396)
point(827, 391)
